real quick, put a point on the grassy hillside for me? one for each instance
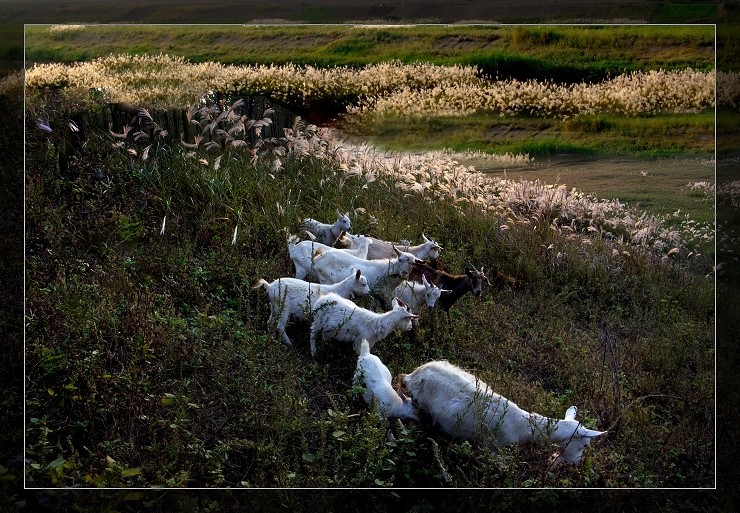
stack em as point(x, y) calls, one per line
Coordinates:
point(150, 362)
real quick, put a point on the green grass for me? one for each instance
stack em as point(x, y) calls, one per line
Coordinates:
point(653, 136)
point(521, 52)
point(150, 362)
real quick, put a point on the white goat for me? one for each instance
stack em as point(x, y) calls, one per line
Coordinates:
point(341, 319)
point(294, 298)
point(376, 378)
point(383, 276)
point(302, 253)
point(417, 294)
point(464, 406)
point(325, 233)
point(383, 249)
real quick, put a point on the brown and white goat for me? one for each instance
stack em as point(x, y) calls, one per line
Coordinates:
point(458, 285)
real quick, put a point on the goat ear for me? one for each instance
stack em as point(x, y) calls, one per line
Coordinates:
point(570, 414)
point(401, 304)
point(590, 433)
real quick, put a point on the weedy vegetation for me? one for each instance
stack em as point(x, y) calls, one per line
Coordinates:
point(150, 362)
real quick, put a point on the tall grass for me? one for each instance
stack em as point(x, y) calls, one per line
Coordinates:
point(150, 363)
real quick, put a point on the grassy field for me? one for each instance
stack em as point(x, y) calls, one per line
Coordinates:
point(150, 361)
point(660, 185)
point(654, 136)
point(521, 52)
point(646, 161)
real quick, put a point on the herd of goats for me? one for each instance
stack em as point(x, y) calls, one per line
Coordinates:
point(334, 266)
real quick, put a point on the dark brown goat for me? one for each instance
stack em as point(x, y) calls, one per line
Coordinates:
point(503, 281)
point(458, 285)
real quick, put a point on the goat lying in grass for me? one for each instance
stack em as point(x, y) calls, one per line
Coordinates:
point(463, 406)
point(417, 294)
point(458, 285)
point(383, 276)
point(294, 298)
point(325, 233)
point(303, 253)
point(340, 319)
point(372, 374)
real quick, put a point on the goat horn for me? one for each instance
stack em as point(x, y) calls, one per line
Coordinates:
point(401, 394)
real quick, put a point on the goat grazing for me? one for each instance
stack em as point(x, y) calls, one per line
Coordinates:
point(303, 253)
point(325, 233)
point(372, 374)
point(341, 319)
point(463, 406)
point(417, 294)
point(458, 285)
point(383, 276)
point(383, 249)
point(293, 298)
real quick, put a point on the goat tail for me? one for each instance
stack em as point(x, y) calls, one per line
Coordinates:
point(260, 283)
point(364, 347)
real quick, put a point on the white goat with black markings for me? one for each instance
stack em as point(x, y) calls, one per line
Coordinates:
point(372, 374)
point(383, 249)
point(325, 233)
point(335, 317)
point(463, 406)
point(417, 294)
point(291, 298)
point(303, 253)
point(383, 276)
